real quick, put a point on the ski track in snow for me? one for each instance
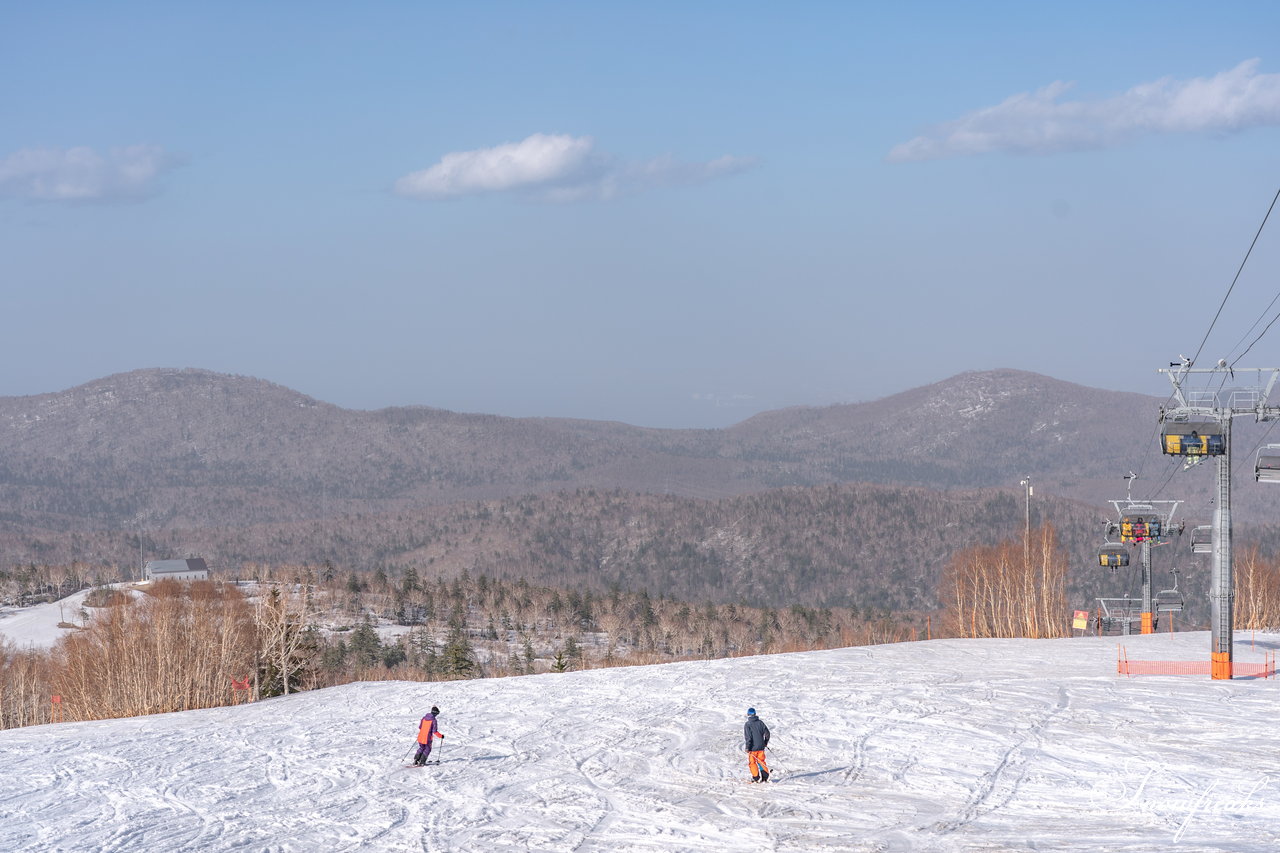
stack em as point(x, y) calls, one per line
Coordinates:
point(950, 745)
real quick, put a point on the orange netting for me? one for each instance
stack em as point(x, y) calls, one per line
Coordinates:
point(1239, 669)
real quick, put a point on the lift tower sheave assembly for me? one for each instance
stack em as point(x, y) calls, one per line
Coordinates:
point(1200, 427)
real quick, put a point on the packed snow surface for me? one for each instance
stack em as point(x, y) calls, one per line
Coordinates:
point(39, 626)
point(950, 745)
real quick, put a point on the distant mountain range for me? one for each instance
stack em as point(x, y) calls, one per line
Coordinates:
point(192, 448)
point(238, 469)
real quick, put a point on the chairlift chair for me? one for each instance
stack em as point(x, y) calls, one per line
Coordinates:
point(1192, 437)
point(1139, 523)
point(1202, 539)
point(1267, 467)
point(1169, 600)
point(1124, 614)
point(1113, 555)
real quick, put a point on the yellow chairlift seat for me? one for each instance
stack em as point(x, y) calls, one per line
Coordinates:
point(1192, 438)
point(1139, 523)
point(1113, 556)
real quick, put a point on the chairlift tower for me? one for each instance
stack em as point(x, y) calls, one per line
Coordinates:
point(1142, 523)
point(1199, 427)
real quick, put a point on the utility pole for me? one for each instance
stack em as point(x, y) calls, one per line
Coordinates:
point(1026, 535)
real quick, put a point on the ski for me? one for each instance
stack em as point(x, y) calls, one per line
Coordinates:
point(427, 764)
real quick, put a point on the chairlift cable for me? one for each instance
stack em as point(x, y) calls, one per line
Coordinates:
point(1155, 431)
point(1260, 334)
point(1227, 296)
point(1270, 305)
point(1265, 311)
point(1216, 317)
point(1173, 469)
point(1200, 349)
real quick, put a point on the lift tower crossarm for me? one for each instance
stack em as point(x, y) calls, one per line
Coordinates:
point(1259, 404)
point(1266, 392)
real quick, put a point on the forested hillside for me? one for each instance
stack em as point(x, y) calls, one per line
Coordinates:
point(858, 545)
point(189, 448)
point(855, 505)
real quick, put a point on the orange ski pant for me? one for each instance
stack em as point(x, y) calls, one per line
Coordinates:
point(755, 761)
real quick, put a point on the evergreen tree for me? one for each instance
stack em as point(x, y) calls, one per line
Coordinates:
point(334, 656)
point(645, 610)
point(409, 582)
point(422, 652)
point(458, 657)
point(392, 655)
point(573, 651)
point(365, 645)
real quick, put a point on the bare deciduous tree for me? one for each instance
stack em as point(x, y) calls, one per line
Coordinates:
point(1012, 589)
point(287, 651)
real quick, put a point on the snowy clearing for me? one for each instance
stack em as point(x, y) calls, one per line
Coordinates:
point(950, 745)
point(37, 627)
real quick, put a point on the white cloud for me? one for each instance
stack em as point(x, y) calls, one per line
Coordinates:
point(82, 174)
point(555, 168)
point(1039, 122)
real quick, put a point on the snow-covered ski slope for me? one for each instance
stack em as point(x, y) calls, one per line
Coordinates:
point(949, 745)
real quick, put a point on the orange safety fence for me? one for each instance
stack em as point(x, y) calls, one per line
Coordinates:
point(1239, 669)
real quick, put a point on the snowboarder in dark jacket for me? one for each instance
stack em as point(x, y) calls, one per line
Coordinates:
point(757, 734)
point(426, 728)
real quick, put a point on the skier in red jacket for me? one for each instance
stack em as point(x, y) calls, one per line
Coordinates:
point(426, 729)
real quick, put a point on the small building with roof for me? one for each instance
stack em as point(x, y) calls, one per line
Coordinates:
point(194, 569)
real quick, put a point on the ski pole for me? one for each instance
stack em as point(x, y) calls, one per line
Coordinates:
point(406, 755)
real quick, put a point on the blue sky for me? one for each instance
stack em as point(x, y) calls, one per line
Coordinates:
point(668, 214)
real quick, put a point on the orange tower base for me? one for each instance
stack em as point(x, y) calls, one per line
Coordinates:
point(1220, 666)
